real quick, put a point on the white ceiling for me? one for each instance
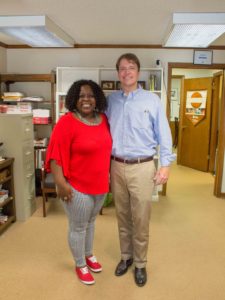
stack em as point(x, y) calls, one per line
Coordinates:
point(111, 22)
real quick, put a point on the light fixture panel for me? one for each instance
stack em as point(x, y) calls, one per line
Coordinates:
point(35, 31)
point(195, 30)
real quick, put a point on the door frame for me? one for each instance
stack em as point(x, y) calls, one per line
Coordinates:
point(221, 138)
point(181, 78)
point(214, 121)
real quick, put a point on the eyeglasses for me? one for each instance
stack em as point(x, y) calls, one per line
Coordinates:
point(132, 69)
point(87, 96)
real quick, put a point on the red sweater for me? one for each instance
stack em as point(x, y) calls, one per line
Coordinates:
point(83, 152)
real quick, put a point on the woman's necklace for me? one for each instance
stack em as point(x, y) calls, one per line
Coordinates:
point(95, 122)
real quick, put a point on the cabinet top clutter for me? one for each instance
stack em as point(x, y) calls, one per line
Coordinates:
point(23, 102)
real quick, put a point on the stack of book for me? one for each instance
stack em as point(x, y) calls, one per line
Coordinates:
point(41, 142)
point(3, 217)
point(19, 108)
point(12, 96)
point(4, 194)
point(39, 158)
point(153, 83)
point(41, 116)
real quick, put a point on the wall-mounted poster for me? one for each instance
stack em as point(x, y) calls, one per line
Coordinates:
point(196, 106)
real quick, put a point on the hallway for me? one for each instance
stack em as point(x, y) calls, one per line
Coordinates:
point(186, 253)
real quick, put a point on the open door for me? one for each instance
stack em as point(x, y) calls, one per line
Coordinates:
point(195, 122)
point(217, 135)
point(216, 103)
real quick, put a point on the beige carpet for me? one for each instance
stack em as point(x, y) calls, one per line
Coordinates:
point(186, 253)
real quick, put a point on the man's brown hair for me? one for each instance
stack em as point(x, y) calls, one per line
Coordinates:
point(130, 57)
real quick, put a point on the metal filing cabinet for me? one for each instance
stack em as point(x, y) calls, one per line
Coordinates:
point(16, 132)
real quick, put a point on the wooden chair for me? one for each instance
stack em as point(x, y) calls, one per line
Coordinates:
point(47, 186)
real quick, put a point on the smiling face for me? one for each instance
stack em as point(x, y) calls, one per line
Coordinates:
point(86, 102)
point(128, 75)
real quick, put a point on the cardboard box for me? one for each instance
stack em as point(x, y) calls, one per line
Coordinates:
point(41, 120)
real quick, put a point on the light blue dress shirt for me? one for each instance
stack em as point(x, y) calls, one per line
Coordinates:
point(139, 125)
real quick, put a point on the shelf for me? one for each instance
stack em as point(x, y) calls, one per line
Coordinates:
point(41, 124)
point(6, 179)
point(40, 147)
point(10, 220)
point(8, 205)
point(6, 201)
point(10, 78)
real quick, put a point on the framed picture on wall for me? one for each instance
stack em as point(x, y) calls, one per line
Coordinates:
point(142, 84)
point(108, 85)
point(118, 85)
point(174, 94)
point(203, 57)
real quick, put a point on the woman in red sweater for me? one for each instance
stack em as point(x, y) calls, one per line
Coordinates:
point(79, 157)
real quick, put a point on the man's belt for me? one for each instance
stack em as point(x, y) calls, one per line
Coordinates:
point(132, 161)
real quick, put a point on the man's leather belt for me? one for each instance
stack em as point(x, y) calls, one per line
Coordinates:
point(132, 161)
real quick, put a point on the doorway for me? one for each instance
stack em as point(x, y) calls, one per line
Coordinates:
point(180, 85)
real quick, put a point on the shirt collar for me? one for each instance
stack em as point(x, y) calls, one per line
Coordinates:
point(131, 94)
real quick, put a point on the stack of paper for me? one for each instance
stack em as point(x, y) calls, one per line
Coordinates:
point(41, 113)
point(41, 116)
point(12, 96)
point(32, 99)
point(20, 108)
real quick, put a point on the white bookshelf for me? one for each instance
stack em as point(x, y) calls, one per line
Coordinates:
point(65, 76)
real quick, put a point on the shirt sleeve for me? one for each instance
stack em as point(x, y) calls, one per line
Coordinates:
point(164, 137)
point(59, 146)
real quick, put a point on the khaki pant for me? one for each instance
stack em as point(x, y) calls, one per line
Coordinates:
point(132, 186)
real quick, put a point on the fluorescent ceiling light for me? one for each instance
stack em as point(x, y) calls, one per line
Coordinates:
point(35, 31)
point(195, 30)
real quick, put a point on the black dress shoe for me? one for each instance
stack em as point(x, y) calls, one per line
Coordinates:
point(140, 276)
point(123, 266)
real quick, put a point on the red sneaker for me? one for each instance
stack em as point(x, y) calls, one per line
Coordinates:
point(93, 265)
point(84, 275)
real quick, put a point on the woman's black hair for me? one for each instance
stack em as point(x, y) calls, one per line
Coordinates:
point(72, 96)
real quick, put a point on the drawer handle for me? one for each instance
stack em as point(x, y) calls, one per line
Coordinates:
point(27, 129)
point(29, 175)
point(28, 153)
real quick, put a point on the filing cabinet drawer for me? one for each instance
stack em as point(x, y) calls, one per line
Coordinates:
point(28, 151)
point(27, 128)
point(17, 133)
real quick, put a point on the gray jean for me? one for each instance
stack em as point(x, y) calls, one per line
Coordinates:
point(81, 213)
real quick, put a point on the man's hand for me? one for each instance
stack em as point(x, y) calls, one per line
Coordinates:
point(161, 175)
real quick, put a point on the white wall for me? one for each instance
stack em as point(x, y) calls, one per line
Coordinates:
point(28, 60)
point(3, 60)
point(44, 60)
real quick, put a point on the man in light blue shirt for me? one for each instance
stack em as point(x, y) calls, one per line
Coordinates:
point(138, 126)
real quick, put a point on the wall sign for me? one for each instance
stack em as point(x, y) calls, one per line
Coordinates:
point(203, 57)
point(195, 106)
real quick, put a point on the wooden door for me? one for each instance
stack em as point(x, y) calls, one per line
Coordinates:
point(195, 122)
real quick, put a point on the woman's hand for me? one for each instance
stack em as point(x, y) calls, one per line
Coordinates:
point(64, 191)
